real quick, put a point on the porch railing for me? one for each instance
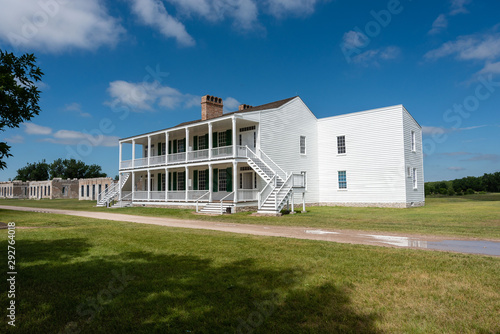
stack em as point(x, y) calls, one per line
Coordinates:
point(157, 160)
point(245, 195)
point(140, 195)
point(222, 152)
point(126, 164)
point(222, 200)
point(142, 162)
point(177, 158)
point(157, 195)
point(203, 197)
point(198, 155)
point(177, 195)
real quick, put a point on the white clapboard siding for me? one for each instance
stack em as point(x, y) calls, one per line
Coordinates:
point(374, 159)
point(280, 131)
point(413, 159)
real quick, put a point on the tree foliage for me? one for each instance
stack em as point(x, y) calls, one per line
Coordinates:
point(66, 169)
point(466, 185)
point(18, 94)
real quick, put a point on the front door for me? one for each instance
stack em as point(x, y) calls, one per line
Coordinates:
point(247, 180)
point(247, 138)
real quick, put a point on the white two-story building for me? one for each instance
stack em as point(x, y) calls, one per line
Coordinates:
point(279, 153)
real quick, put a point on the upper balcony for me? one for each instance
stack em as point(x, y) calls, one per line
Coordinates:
point(225, 138)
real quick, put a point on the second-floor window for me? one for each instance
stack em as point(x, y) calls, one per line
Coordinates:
point(302, 145)
point(341, 145)
point(413, 141)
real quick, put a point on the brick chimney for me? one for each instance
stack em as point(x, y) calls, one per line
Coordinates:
point(243, 107)
point(211, 107)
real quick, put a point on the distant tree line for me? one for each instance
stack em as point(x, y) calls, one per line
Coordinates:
point(466, 185)
point(66, 169)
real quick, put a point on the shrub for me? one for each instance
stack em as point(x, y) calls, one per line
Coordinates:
point(470, 192)
point(451, 192)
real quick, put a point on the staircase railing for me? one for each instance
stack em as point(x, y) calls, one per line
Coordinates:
point(106, 195)
point(223, 198)
point(199, 199)
point(125, 198)
point(266, 192)
point(257, 160)
point(284, 189)
point(277, 169)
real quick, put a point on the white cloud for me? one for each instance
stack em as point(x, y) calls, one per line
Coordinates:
point(280, 8)
point(354, 39)
point(491, 68)
point(231, 104)
point(69, 137)
point(485, 157)
point(456, 169)
point(458, 7)
point(439, 24)
point(17, 139)
point(34, 129)
point(153, 13)
point(76, 108)
point(56, 25)
point(471, 47)
point(144, 96)
point(432, 130)
point(373, 57)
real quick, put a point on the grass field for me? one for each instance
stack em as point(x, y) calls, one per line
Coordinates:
point(78, 275)
point(476, 216)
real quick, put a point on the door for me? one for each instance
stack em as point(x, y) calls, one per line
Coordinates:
point(247, 138)
point(247, 180)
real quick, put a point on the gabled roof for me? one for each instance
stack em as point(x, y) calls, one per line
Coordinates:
point(267, 106)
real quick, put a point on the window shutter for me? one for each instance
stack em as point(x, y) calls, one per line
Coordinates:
point(184, 142)
point(215, 140)
point(195, 179)
point(184, 179)
point(175, 145)
point(169, 147)
point(229, 179)
point(159, 182)
point(174, 181)
point(195, 143)
point(169, 181)
point(216, 180)
point(206, 142)
point(229, 137)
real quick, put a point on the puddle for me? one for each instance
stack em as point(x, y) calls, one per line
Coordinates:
point(320, 232)
point(462, 246)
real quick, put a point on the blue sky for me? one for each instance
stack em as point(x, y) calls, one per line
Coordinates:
point(114, 69)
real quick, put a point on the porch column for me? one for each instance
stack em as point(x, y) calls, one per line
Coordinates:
point(235, 181)
point(187, 144)
point(234, 136)
point(149, 184)
point(293, 207)
point(133, 185)
point(119, 186)
point(133, 153)
point(210, 141)
point(149, 149)
point(120, 144)
point(166, 182)
point(187, 183)
point(210, 182)
point(303, 202)
point(166, 150)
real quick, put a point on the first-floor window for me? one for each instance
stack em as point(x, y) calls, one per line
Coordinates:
point(88, 190)
point(342, 179)
point(106, 188)
point(83, 191)
point(222, 180)
point(163, 179)
point(415, 179)
point(180, 181)
point(202, 179)
point(49, 190)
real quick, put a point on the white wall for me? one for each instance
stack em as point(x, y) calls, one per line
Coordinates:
point(413, 159)
point(374, 159)
point(280, 132)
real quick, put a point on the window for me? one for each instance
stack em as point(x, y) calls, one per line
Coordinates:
point(302, 145)
point(45, 191)
point(203, 145)
point(248, 128)
point(180, 181)
point(49, 190)
point(409, 172)
point(413, 141)
point(342, 179)
point(88, 190)
point(341, 145)
point(106, 188)
point(202, 180)
point(63, 190)
point(180, 146)
point(222, 138)
point(99, 189)
point(222, 180)
point(415, 179)
point(163, 176)
point(83, 191)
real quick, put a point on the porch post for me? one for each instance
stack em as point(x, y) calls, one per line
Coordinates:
point(210, 183)
point(235, 181)
point(303, 202)
point(166, 150)
point(133, 153)
point(210, 141)
point(234, 136)
point(149, 149)
point(187, 146)
point(166, 184)
point(120, 155)
point(293, 206)
point(133, 185)
point(186, 179)
point(149, 185)
point(119, 186)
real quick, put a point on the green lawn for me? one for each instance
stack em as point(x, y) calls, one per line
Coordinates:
point(475, 216)
point(192, 281)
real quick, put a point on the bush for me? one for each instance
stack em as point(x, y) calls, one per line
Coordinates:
point(451, 192)
point(459, 193)
point(470, 192)
point(443, 191)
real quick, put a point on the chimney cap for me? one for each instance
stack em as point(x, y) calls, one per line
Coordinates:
point(244, 106)
point(211, 99)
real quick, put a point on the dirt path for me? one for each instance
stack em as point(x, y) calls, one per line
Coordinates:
point(343, 236)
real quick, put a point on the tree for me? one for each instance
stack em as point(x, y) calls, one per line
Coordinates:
point(73, 169)
point(18, 94)
point(38, 171)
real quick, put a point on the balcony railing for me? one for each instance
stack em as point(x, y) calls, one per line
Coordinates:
point(245, 195)
point(191, 156)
